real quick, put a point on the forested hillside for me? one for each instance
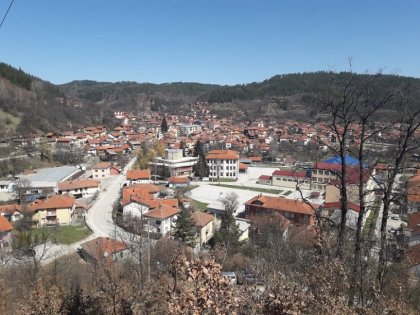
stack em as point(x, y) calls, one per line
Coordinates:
point(29, 104)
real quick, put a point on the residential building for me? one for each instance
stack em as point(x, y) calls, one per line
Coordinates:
point(223, 164)
point(187, 129)
point(81, 188)
point(162, 219)
point(138, 177)
point(413, 194)
point(291, 179)
point(173, 164)
point(103, 249)
point(57, 209)
point(137, 206)
point(204, 225)
point(296, 211)
point(178, 182)
point(5, 232)
point(102, 170)
point(13, 212)
point(332, 210)
point(6, 186)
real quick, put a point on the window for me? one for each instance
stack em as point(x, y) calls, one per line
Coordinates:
point(158, 222)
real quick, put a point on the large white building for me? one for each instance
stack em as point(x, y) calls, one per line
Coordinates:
point(223, 164)
point(187, 129)
point(173, 164)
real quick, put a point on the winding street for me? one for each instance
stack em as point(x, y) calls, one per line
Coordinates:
point(98, 219)
point(99, 216)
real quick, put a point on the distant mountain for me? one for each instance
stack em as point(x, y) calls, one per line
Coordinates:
point(29, 104)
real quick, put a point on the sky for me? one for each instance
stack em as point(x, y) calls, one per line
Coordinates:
point(208, 41)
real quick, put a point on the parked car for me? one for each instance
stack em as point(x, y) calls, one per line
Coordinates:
point(251, 278)
point(231, 276)
point(395, 216)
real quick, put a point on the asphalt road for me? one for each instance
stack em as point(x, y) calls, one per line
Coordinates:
point(99, 216)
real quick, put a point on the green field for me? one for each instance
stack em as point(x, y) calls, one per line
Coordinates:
point(65, 234)
point(263, 190)
point(201, 206)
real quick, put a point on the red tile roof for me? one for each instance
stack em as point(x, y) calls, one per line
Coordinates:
point(201, 219)
point(102, 247)
point(282, 204)
point(102, 165)
point(138, 174)
point(222, 155)
point(77, 184)
point(337, 205)
point(5, 225)
point(162, 212)
point(289, 173)
point(178, 180)
point(54, 202)
point(10, 208)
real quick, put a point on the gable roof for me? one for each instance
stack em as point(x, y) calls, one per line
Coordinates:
point(281, 204)
point(178, 180)
point(201, 219)
point(222, 155)
point(102, 165)
point(77, 184)
point(10, 208)
point(289, 173)
point(54, 202)
point(5, 225)
point(336, 205)
point(138, 174)
point(102, 247)
point(162, 212)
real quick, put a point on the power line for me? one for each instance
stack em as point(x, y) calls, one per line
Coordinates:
point(7, 12)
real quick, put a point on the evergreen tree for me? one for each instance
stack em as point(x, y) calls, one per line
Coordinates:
point(201, 169)
point(229, 232)
point(185, 228)
point(164, 126)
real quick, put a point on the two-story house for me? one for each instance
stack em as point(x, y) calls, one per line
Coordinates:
point(296, 211)
point(162, 219)
point(81, 188)
point(57, 209)
point(138, 177)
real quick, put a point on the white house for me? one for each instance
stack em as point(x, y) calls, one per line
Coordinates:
point(6, 186)
point(223, 164)
point(13, 212)
point(333, 210)
point(138, 206)
point(102, 170)
point(204, 226)
point(138, 177)
point(162, 219)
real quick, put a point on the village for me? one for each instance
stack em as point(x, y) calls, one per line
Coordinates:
point(141, 176)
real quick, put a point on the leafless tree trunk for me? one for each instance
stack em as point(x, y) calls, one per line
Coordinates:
point(409, 124)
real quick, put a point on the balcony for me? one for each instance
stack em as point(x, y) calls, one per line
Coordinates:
point(51, 213)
